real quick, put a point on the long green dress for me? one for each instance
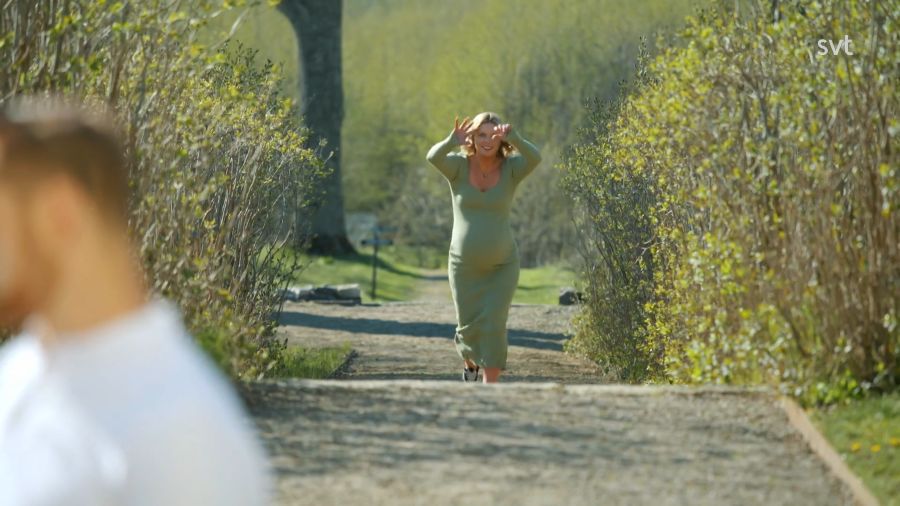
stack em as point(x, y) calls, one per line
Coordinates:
point(483, 261)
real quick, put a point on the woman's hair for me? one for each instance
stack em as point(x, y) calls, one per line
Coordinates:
point(506, 148)
point(42, 136)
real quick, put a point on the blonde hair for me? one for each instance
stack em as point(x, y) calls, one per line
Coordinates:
point(506, 148)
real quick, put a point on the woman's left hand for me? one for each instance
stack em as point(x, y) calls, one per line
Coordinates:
point(501, 131)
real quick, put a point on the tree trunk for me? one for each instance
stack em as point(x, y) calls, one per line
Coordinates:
point(317, 24)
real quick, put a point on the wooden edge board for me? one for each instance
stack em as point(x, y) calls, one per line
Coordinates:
point(820, 446)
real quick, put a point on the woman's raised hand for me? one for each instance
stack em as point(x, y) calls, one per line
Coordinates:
point(461, 130)
point(501, 131)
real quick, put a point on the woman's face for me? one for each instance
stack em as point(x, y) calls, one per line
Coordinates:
point(485, 144)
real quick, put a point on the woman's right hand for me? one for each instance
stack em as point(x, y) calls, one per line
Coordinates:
point(461, 130)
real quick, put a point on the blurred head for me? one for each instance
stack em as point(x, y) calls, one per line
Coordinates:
point(62, 182)
point(481, 141)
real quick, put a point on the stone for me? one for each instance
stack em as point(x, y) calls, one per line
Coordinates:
point(304, 291)
point(347, 292)
point(568, 296)
point(325, 292)
point(295, 293)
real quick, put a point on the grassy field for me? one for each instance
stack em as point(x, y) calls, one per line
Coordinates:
point(866, 433)
point(395, 281)
point(541, 285)
point(399, 278)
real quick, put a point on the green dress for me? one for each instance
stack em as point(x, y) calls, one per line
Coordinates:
point(483, 261)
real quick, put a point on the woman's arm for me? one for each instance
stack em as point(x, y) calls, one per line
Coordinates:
point(438, 156)
point(530, 157)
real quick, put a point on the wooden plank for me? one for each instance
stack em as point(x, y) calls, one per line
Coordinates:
point(820, 446)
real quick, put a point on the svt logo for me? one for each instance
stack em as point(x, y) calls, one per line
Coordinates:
point(843, 44)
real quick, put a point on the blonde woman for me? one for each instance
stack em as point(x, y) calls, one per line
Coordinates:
point(483, 261)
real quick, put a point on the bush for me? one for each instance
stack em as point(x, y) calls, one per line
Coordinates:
point(221, 178)
point(775, 226)
point(614, 241)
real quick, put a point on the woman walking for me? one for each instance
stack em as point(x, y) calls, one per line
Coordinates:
point(483, 261)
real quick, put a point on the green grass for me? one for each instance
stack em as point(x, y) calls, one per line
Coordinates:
point(541, 285)
point(866, 433)
point(312, 363)
point(399, 276)
point(396, 281)
point(419, 257)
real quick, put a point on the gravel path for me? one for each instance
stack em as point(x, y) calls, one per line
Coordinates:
point(413, 340)
point(552, 433)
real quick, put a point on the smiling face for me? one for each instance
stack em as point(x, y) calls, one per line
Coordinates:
point(485, 144)
point(481, 141)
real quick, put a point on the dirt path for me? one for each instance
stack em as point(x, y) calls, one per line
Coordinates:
point(549, 435)
point(434, 288)
point(436, 443)
point(412, 340)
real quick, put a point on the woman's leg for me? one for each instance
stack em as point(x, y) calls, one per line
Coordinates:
point(492, 374)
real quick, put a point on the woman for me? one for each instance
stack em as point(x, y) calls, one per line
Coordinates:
point(483, 261)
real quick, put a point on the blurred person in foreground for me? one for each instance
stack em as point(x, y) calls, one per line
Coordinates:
point(104, 397)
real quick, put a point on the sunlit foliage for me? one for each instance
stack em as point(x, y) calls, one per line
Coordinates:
point(769, 179)
point(220, 174)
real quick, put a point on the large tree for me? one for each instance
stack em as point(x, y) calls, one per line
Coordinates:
point(317, 24)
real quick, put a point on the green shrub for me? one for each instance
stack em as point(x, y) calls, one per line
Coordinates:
point(615, 238)
point(221, 177)
point(775, 224)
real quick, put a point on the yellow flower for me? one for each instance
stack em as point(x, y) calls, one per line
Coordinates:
point(895, 441)
point(855, 447)
point(875, 448)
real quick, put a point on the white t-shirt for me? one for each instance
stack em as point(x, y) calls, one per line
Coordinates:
point(131, 412)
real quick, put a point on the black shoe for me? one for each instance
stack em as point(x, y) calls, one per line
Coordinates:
point(470, 374)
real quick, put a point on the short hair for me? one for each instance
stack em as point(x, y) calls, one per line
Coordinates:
point(40, 137)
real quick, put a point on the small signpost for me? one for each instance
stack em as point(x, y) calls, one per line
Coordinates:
point(378, 239)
